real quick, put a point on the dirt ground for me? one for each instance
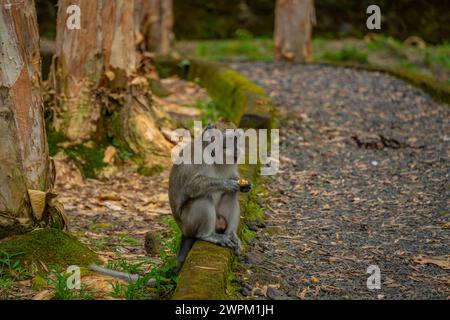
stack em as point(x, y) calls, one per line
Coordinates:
point(364, 180)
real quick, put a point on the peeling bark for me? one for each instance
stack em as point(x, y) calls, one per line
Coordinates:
point(95, 63)
point(154, 22)
point(24, 160)
point(105, 43)
point(293, 30)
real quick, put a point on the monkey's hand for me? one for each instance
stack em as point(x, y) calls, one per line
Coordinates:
point(244, 186)
point(232, 185)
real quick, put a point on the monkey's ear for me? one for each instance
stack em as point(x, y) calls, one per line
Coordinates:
point(210, 126)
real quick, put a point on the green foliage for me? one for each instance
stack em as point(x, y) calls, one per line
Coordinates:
point(184, 63)
point(6, 285)
point(125, 266)
point(209, 109)
point(173, 241)
point(346, 55)
point(244, 47)
point(137, 290)
point(118, 289)
point(243, 34)
point(11, 270)
point(380, 52)
point(125, 239)
point(165, 275)
point(62, 292)
point(213, 19)
point(38, 283)
point(10, 266)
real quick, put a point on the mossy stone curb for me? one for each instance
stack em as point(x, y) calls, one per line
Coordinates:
point(242, 101)
point(438, 90)
point(204, 274)
point(206, 271)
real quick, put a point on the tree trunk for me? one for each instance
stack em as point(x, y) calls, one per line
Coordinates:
point(154, 21)
point(26, 172)
point(293, 30)
point(98, 92)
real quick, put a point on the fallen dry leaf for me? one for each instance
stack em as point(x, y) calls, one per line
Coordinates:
point(44, 295)
point(302, 294)
point(314, 280)
point(109, 196)
point(441, 262)
point(110, 152)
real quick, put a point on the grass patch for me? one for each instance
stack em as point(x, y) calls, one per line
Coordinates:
point(432, 61)
point(11, 270)
point(250, 49)
point(63, 292)
point(209, 109)
point(165, 275)
point(346, 55)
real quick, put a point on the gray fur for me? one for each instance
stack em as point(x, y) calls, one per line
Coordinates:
point(198, 193)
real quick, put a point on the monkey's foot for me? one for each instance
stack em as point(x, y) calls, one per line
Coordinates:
point(237, 244)
point(223, 240)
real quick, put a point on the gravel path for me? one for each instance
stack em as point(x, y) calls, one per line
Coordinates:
point(364, 180)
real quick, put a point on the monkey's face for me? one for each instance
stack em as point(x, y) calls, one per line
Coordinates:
point(233, 150)
point(223, 143)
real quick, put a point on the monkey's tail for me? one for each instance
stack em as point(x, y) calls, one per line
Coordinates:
point(129, 277)
point(185, 245)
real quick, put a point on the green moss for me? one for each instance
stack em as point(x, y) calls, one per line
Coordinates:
point(54, 138)
point(254, 211)
point(233, 94)
point(88, 159)
point(157, 88)
point(205, 273)
point(38, 283)
point(149, 171)
point(438, 90)
point(230, 90)
point(232, 285)
point(55, 248)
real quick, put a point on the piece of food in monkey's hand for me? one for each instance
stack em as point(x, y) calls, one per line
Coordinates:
point(245, 185)
point(243, 182)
